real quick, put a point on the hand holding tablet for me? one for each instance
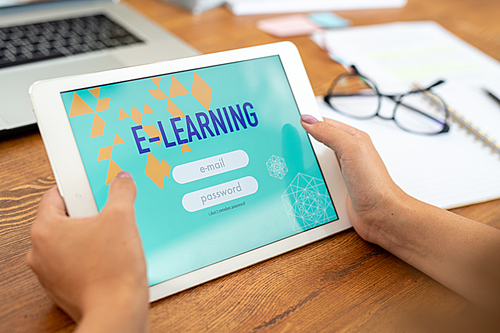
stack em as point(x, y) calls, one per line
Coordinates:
point(93, 267)
point(226, 175)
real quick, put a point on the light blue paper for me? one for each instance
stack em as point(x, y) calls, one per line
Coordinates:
point(329, 20)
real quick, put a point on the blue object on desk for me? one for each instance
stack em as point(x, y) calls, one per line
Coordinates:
point(329, 20)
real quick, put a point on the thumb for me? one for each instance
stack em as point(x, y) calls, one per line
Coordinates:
point(122, 190)
point(332, 134)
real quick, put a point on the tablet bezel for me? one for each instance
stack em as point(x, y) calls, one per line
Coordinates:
point(74, 186)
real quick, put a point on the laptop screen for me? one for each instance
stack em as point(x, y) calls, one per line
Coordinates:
point(15, 3)
point(10, 3)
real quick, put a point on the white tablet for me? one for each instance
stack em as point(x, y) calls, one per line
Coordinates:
point(226, 176)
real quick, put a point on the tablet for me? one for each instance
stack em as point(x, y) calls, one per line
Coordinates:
point(226, 176)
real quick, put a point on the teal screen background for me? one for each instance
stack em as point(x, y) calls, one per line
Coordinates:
point(176, 241)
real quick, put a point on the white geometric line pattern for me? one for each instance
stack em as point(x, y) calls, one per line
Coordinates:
point(307, 203)
point(277, 167)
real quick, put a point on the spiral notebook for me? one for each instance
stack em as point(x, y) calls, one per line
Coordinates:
point(457, 118)
point(447, 170)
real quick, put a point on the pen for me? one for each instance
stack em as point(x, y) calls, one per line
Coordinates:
point(493, 97)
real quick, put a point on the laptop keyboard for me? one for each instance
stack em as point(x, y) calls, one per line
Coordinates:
point(29, 43)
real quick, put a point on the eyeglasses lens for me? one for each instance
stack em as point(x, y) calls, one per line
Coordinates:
point(355, 96)
point(416, 114)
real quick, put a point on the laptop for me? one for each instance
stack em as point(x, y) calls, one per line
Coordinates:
point(47, 39)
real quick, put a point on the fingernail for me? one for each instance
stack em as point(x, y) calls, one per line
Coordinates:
point(308, 119)
point(124, 174)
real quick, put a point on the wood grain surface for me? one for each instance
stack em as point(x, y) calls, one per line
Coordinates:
point(338, 284)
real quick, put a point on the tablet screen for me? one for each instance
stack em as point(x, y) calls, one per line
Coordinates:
point(221, 162)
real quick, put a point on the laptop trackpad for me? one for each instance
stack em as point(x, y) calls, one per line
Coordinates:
point(14, 84)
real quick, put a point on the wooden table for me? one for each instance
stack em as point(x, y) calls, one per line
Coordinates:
point(338, 284)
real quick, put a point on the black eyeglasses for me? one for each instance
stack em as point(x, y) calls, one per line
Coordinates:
point(356, 96)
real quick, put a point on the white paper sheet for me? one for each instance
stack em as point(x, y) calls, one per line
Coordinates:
point(395, 55)
point(446, 170)
point(252, 7)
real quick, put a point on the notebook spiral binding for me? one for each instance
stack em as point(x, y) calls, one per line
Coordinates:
point(467, 125)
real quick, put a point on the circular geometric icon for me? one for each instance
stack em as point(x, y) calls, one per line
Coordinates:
point(277, 167)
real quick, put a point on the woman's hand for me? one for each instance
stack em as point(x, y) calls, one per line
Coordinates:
point(372, 193)
point(93, 268)
point(460, 253)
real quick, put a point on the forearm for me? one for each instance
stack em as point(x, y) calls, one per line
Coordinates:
point(462, 254)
